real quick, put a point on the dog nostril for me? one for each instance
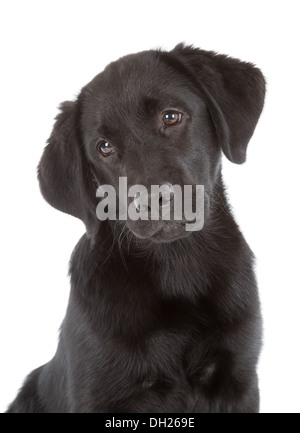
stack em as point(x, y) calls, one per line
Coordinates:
point(136, 201)
point(166, 195)
point(140, 206)
point(169, 185)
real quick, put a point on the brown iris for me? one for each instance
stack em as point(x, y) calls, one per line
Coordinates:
point(171, 118)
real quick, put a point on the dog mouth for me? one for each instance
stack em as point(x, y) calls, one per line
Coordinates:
point(160, 232)
point(164, 235)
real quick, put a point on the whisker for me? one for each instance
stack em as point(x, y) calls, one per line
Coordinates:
point(111, 248)
point(120, 239)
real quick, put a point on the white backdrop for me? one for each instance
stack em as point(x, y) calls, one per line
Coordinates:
point(49, 50)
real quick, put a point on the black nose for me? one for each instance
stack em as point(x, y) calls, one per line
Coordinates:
point(161, 198)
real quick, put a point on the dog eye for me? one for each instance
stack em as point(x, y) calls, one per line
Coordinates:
point(105, 148)
point(171, 118)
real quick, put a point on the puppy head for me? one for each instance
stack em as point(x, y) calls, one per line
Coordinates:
point(155, 118)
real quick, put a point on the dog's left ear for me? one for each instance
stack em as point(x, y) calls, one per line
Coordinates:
point(234, 93)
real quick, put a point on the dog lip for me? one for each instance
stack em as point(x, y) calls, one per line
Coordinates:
point(156, 234)
point(143, 236)
point(161, 235)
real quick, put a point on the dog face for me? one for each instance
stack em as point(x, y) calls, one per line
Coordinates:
point(144, 122)
point(156, 118)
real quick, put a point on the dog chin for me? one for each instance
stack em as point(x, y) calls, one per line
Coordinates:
point(161, 233)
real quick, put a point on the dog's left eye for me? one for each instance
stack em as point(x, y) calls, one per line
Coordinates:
point(105, 148)
point(171, 118)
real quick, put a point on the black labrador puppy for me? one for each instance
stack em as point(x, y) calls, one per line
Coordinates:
point(160, 319)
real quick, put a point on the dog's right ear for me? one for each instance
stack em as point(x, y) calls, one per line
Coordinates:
point(64, 173)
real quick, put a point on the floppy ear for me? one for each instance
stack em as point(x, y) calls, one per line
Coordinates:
point(64, 173)
point(234, 93)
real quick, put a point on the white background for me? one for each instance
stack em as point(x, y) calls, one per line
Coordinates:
point(49, 50)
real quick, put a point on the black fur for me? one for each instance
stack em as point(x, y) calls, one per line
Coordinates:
point(159, 320)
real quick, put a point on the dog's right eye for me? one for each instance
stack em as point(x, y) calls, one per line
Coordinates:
point(105, 148)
